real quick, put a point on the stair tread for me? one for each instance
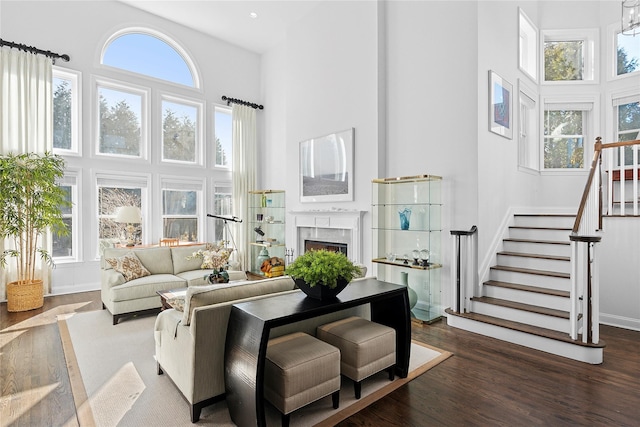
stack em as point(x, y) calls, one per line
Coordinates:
point(532, 271)
point(530, 255)
point(524, 227)
point(522, 327)
point(549, 242)
point(547, 215)
point(528, 288)
point(524, 307)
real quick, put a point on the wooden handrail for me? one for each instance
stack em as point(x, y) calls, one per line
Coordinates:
point(597, 158)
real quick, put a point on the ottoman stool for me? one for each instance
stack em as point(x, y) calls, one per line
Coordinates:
point(300, 369)
point(365, 348)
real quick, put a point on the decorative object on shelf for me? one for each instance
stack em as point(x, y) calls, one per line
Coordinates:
point(262, 257)
point(391, 256)
point(413, 295)
point(259, 231)
point(273, 267)
point(30, 203)
point(424, 257)
point(416, 257)
point(405, 216)
point(129, 215)
point(631, 17)
point(322, 274)
point(213, 256)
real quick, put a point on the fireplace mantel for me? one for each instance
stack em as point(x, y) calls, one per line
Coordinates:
point(329, 221)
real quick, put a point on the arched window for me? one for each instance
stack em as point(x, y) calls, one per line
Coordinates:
point(151, 54)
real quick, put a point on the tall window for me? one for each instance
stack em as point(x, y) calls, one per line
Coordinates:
point(528, 46)
point(152, 54)
point(570, 56)
point(115, 192)
point(66, 111)
point(181, 131)
point(65, 247)
point(627, 54)
point(565, 130)
point(181, 210)
point(120, 122)
point(528, 129)
point(223, 144)
point(627, 125)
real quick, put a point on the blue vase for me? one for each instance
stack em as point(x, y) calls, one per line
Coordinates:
point(405, 216)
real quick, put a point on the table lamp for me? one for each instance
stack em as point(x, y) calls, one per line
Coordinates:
point(129, 215)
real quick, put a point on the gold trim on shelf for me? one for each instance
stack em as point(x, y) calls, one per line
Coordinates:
point(265, 191)
point(400, 179)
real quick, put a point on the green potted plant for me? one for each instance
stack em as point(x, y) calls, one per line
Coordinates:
point(322, 274)
point(31, 202)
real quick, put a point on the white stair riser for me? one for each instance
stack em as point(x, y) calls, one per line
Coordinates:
point(521, 316)
point(561, 266)
point(544, 221)
point(539, 234)
point(572, 351)
point(533, 298)
point(548, 282)
point(537, 248)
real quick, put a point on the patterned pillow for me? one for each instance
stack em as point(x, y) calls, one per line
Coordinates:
point(177, 303)
point(129, 266)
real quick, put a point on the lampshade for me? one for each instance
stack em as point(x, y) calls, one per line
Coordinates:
point(631, 17)
point(129, 215)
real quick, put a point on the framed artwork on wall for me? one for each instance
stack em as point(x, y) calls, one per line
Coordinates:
point(500, 106)
point(326, 168)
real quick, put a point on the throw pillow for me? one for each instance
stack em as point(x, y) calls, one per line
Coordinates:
point(177, 303)
point(129, 266)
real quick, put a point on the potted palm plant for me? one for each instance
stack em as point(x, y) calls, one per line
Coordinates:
point(31, 203)
point(322, 274)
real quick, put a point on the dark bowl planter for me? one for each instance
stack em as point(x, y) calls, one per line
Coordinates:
point(319, 292)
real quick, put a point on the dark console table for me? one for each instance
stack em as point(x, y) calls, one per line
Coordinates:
point(251, 322)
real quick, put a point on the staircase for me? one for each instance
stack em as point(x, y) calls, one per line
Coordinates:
point(526, 300)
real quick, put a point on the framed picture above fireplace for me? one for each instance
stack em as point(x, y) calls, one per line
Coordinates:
point(326, 168)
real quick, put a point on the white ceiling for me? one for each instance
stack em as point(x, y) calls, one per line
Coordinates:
point(229, 20)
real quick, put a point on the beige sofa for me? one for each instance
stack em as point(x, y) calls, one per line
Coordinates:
point(169, 268)
point(190, 344)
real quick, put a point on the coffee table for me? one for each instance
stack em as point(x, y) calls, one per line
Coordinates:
point(167, 295)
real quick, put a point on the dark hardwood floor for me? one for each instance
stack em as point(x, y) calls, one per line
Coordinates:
point(486, 383)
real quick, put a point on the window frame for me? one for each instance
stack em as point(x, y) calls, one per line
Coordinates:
point(186, 57)
point(218, 225)
point(75, 77)
point(612, 44)
point(109, 178)
point(73, 178)
point(591, 54)
point(144, 93)
point(174, 183)
point(533, 125)
point(529, 35)
point(200, 128)
point(589, 130)
point(212, 157)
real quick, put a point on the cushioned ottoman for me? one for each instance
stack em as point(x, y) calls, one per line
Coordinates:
point(365, 348)
point(299, 370)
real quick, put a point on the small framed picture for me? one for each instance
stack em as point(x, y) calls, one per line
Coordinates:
point(500, 106)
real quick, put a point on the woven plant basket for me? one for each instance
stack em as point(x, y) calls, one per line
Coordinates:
point(25, 296)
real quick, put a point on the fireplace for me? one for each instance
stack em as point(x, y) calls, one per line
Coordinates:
point(335, 228)
point(311, 245)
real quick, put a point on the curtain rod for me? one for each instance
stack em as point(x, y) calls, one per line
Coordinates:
point(33, 49)
point(241, 102)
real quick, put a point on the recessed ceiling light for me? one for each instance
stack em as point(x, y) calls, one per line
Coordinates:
point(253, 15)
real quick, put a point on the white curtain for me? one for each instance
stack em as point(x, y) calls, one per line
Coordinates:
point(244, 173)
point(26, 124)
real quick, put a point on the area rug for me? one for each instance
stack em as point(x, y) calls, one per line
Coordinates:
point(114, 382)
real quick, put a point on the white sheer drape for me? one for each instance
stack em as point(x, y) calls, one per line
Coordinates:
point(26, 124)
point(244, 173)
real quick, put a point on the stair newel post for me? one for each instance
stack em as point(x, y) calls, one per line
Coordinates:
point(464, 288)
point(585, 289)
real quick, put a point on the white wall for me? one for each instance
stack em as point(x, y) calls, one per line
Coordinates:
point(80, 29)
